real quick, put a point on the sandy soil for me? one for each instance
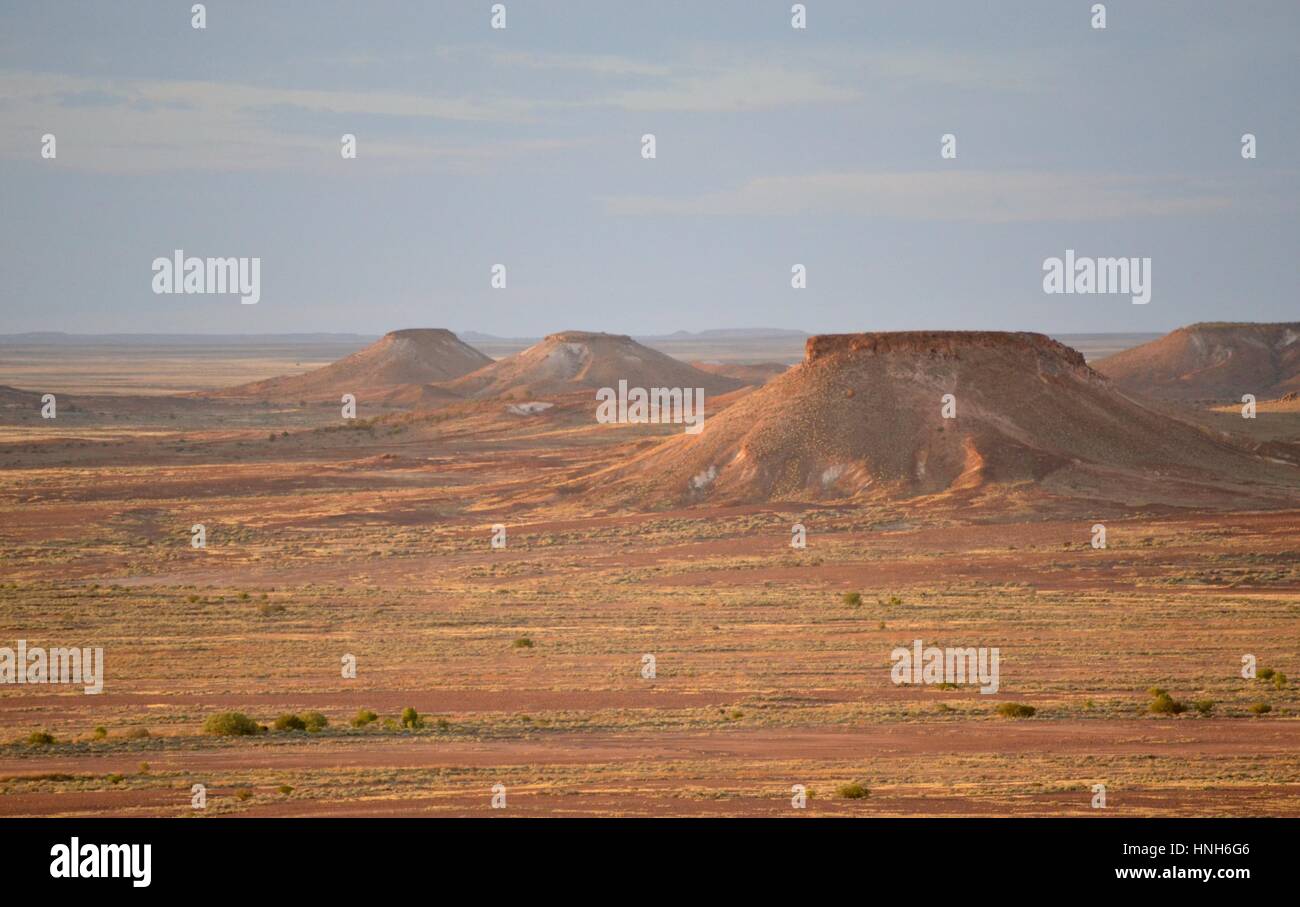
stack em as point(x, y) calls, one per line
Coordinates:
point(374, 541)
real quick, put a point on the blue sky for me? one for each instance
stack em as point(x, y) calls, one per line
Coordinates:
point(522, 146)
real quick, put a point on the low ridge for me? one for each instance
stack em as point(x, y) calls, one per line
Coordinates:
point(1215, 361)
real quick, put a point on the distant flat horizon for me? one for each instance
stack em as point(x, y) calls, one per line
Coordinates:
point(470, 335)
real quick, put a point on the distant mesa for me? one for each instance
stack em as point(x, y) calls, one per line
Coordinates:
point(861, 416)
point(750, 373)
point(396, 367)
point(1216, 361)
point(571, 361)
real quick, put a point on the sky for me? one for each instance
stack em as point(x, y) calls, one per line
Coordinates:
point(522, 146)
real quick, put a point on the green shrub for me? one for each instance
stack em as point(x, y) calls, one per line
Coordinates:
point(364, 717)
point(1164, 704)
point(852, 599)
point(1016, 710)
point(144, 768)
point(288, 722)
point(40, 738)
point(1204, 706)
point(243, 794)
point(285, 789)
point(1266, 673)
point(314, 722)
point(852, 791)
point(523, 642)
point(100, 732)
point(114, 779)
point(1157, 692)
point(1279, 680)
point(230, 724)
point(410, 717)
point(1261, 708)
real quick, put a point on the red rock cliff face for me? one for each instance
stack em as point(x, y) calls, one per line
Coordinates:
point(938, 344)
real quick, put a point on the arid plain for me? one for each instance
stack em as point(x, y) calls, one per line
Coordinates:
point(372, 538)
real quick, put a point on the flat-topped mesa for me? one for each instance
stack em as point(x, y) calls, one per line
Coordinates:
point(938, 344)
point(584, 337)
point(421, 334)
point(954, 415)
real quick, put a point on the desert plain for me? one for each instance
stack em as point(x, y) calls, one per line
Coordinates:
point(525, 664)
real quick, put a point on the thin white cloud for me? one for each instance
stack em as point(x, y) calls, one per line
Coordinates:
point(966, 195)
point(128, 126)
point(596, 64)
point(747, 88)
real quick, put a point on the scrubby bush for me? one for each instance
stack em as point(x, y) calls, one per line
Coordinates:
point(852, 599)
point(1204, 706)
point(285, 789)
point(288, 722)
point(230, 724)
point(314, 722)
point(1164, 704)
point(364, 717)
point(852, 791)
point(1016, 710)
point(1279, 680)
point(410, 717)
point(1266, 673)
point(100, 732)
point(1261, 708)
point(243, 794)
point(40, 738)
point(523, 642)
